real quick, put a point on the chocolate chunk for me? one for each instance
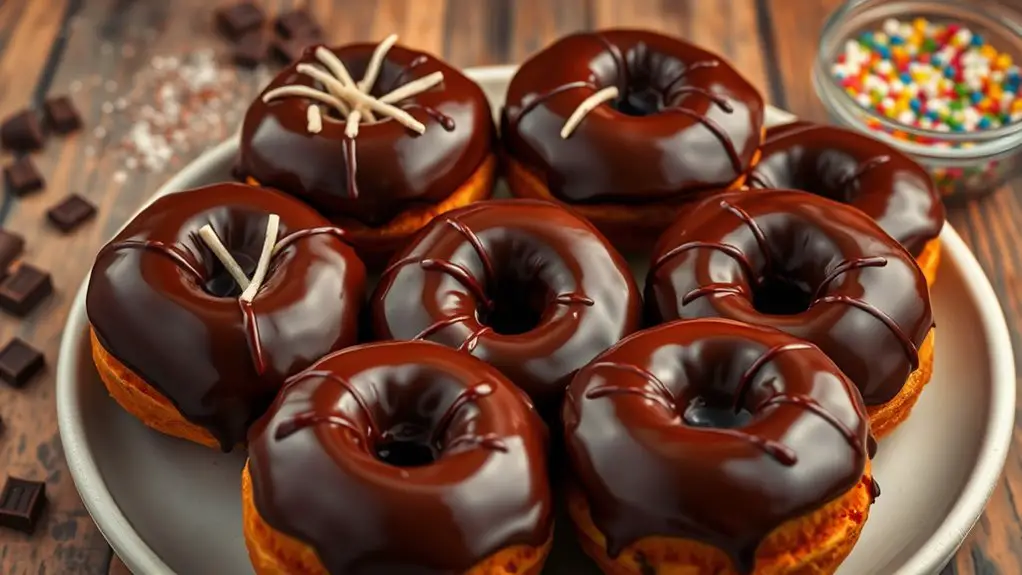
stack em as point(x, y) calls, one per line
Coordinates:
point(21, 503)
point(19, 361)
point(251, 50)
point(234, 21)
point(23, 177)
point(287, 51)
point(22, 132)
point(24, 289)
point(297, 24)
point(11, 246)
point(61, 115)
point(70, 213)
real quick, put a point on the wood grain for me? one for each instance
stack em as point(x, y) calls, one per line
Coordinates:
point(99, 50)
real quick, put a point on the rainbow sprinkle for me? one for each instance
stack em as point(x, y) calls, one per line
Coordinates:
point(931, 75)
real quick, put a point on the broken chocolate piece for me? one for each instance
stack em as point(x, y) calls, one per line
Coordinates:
point(61, 115)
point(19, 362)
point(71, 213)
point(297, 24)
point(21, 504)
point(22, 132)
point(24, 289)
point(23, 177)
point(251, 50)
point(234, 21)
point(11, 246)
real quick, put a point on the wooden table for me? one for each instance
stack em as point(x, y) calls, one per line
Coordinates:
point(99, 50)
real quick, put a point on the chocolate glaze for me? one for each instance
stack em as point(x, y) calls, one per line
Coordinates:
point(705, 132)
point(387, 167)
point(793, 437)
point(317, 475)
point(853, 168)
point(218, 360)
point(533, 258)
point(810, 266)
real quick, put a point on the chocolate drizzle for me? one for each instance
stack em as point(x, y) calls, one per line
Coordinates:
point(350, 165)
point(661, 71)
point(829, 255)
point(218, 364)
point(856, 169)
point(720, 470)
point(522, 258)
point(483, 489)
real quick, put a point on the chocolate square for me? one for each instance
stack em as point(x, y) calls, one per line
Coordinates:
point(22, 132)
point(19, 362)
point(287, 51)
point(234, 21)
point(297, 24)
point(71, 213)
point(23, 177)
point(21, 504)
point(24, 289)
point(61, 115)
point(11, 246)
point(251, 50)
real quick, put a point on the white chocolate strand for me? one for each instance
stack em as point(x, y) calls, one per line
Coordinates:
point(413, 88)
point(587, 105)
point(220, 251)
point(314, 118)
point(375, 63)
point(352, 100)
point(272, 225)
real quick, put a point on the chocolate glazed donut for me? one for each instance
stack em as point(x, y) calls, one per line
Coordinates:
point(163, 305)
point(720, 432)
point(387, 168)
point(685, 120)
point(401, 457)
point(524, 285)
point(854, 169)
point(801, 263)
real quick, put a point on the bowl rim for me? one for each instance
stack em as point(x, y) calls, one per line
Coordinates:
point(932, 556)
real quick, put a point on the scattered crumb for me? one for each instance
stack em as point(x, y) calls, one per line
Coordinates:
point(99, 132)
point(75, 86)
point(120, 176)
point(107, 107)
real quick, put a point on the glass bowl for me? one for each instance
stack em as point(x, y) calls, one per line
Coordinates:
point(962, 164)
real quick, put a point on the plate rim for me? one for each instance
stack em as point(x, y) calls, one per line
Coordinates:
point(139, 557)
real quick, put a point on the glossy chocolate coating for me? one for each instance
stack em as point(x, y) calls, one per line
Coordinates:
point(649, 463)
point(531, 258)
point(316, 475)
point(393, 167)
point(850, 288)
point(855, 169)
point(705, 134)
point(220, 362)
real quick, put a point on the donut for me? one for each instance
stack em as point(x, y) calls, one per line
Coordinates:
point(627, 127)
point(422, 145)
point(398, 457)
point(713, 446)
point(813, 267)
point(524, 285)
point(861, 171)
point(180, 343)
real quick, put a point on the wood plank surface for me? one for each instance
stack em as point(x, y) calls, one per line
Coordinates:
point(111, 57)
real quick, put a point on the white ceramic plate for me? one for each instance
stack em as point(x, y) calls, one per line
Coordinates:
point(168, 506)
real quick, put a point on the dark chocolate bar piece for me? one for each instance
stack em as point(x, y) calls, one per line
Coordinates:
point(23, 177)
point(19, 362)
point(11, 246)
point(71, 213)
point(235, 20)
point(61, 115)
point(21, 504)
point(297, 24)
point(22, 132)
point(24, 289)
point(251, 50)
point(287, 51)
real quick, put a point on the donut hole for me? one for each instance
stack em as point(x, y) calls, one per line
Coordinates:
point(778, 295)
point(518, 304)
point(640, 99)
point(715, 410)
point(220, 283)
point(406, 445)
